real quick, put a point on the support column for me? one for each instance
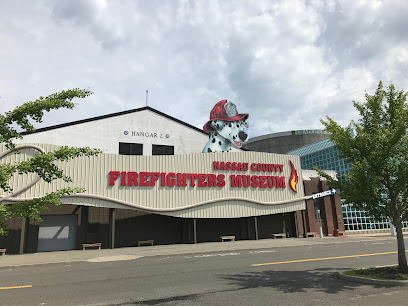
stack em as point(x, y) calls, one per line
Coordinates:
point(112, 217)
point(299, 224)
point(337, 208)
point(296, 224)
point(256, 227)
point(24, 235)
point(328, 217)
point(195, 230)
point(184, 230)
point(84, 224)
point(304, 224)
point(248, 228)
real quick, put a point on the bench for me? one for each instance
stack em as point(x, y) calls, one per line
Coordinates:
point(227, 238)
point(280, 235)
point(3, 252)
point(145, 242)
point(312, 234)
point(91, 245)
point(342, 233)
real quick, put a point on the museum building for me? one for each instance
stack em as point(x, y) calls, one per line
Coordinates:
point(153, 184)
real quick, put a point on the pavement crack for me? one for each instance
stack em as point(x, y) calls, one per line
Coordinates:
point(179, 298)
point(188, 297)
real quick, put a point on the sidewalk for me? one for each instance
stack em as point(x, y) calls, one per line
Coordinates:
point(65, 257)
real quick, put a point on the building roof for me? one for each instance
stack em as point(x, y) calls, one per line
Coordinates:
point(308, 174)
point(312, 148)
point(114, 115)
point(287, 133)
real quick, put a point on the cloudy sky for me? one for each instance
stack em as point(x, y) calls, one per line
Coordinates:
point(286, 63)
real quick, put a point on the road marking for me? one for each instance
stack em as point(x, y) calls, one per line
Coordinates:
point(319, 259)
point(375, 295)
point(213, 255)
point(15, 287)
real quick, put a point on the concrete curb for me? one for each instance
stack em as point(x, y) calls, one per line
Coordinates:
point(39, 264)
point(371, 281)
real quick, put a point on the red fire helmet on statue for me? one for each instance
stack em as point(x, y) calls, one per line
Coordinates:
point(226, 111)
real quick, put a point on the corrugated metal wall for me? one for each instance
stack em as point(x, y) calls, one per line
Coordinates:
point(92, 173)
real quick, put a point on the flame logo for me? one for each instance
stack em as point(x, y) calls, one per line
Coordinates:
point(293, 180)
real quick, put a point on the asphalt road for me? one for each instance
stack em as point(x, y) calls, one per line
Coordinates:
point(279, 276)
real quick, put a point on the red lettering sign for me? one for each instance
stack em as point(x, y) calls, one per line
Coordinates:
point(205, 180)
point(113, 176)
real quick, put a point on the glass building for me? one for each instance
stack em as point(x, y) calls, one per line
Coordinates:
point(324, 155)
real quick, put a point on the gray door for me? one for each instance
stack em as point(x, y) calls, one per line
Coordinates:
point(57, 233)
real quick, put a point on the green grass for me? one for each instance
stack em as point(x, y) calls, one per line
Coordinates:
point(383, 273)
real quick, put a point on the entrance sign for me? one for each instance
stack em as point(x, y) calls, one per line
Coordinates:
point(322, 194)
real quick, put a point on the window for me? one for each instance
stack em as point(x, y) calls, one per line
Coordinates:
point(162, 150)
point(126, 148)
point(318, 205)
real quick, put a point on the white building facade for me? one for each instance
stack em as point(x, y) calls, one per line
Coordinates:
point(152, 183)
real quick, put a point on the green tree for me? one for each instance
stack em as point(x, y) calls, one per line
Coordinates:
point(41, 164)
point(378, 152)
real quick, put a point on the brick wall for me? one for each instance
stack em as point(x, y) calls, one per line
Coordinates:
point(330, 210)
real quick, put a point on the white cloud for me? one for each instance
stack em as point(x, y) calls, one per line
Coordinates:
point(286, 63)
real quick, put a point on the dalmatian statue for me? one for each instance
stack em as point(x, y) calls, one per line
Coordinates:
point(225, 127)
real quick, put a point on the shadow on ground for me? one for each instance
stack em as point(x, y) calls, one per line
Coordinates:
point(323, 280)
point(176, 300)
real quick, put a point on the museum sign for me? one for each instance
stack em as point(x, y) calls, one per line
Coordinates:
point(214, 185)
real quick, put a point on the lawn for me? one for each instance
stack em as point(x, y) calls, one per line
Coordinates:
point(384, 273)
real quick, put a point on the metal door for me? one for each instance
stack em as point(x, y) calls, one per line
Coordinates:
point(57, 233)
